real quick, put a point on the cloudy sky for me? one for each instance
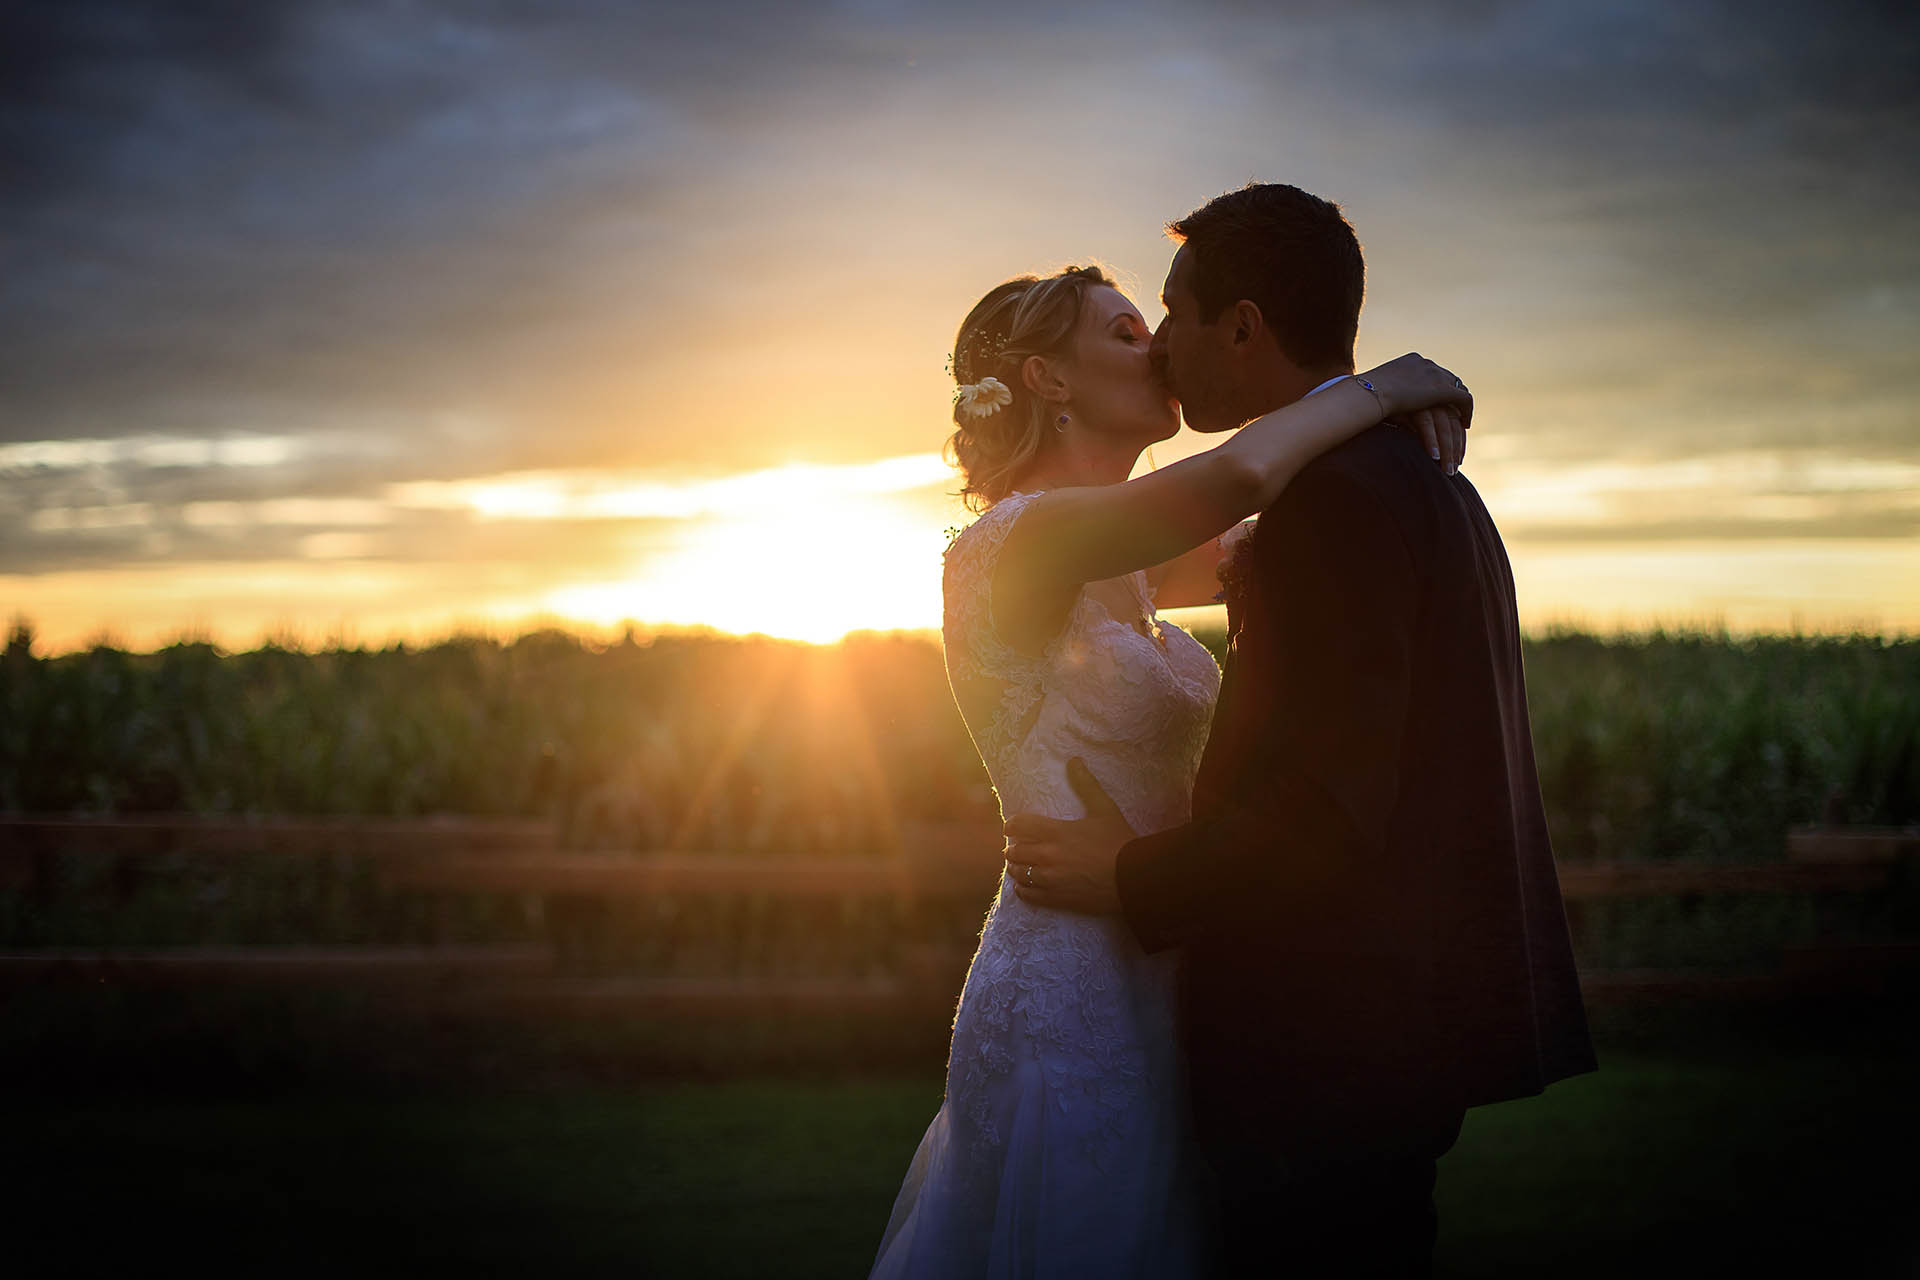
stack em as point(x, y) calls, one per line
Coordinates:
point(369, 317)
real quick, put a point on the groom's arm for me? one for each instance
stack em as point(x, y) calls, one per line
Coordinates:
point(1308, 821)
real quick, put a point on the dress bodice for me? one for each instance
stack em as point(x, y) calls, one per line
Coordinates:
point(1136, 708)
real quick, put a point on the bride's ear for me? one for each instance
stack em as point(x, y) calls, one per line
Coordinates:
point(1040, 378)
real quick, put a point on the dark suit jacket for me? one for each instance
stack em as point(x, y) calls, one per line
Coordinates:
point(1366, 895)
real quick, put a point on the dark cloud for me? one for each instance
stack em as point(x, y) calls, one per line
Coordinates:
point(439, 239)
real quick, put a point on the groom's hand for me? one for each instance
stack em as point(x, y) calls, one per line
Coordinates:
point(1069, 865)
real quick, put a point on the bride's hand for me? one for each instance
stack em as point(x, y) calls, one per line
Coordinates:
point(1428, 400)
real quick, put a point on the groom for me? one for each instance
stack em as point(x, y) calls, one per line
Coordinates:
point(1372, 928)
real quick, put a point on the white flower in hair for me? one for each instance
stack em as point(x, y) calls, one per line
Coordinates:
point(984, 398)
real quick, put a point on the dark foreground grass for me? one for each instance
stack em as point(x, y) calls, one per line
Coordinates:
point(1690, 1154)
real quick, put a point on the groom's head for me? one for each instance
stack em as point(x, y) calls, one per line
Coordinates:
point(1262, 300)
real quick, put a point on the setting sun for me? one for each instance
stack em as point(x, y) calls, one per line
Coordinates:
point(858, 563)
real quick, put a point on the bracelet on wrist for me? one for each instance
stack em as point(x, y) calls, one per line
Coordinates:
point(1378, 399)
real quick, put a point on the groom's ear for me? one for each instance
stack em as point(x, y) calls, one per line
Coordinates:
point(1248, 324)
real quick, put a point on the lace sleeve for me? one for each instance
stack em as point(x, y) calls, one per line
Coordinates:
point(986, 671)
point(973, 643)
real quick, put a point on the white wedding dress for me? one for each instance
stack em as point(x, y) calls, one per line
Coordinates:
point(1063, 1148)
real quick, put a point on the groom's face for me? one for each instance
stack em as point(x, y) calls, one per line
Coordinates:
point(1194, 358)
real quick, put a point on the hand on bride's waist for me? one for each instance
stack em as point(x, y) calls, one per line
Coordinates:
point(1067, 864)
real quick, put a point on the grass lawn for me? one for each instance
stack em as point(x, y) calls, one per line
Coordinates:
point(1744, 1157)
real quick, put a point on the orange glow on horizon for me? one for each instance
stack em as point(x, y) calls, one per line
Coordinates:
point(812, 551)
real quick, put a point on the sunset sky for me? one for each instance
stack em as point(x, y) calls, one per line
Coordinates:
point(368, 319)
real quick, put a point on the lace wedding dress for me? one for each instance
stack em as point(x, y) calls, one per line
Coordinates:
point(1063, 1147)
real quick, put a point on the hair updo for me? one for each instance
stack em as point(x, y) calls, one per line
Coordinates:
point(1028, 316)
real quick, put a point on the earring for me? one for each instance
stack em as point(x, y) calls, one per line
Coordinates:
point(1060, 423)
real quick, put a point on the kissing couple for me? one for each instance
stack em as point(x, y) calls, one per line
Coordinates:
point(1262, 939)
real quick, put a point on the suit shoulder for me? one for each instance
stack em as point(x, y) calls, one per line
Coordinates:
point(1381, 461)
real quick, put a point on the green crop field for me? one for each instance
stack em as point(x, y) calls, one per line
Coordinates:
point(1652, 747)
point(1649, 747)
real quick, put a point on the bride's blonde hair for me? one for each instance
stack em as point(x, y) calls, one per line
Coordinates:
point(1027, 316)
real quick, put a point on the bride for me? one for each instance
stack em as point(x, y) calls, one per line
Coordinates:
point(1062, 1148)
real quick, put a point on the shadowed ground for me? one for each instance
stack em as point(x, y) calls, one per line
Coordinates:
point(1712, 1142)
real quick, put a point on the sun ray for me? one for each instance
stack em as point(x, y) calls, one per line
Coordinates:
point(844, 701)
point(746, 724)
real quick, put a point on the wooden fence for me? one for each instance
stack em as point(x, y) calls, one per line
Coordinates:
point(917, 906)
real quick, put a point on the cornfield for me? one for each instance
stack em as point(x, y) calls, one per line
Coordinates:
point(1661, 746)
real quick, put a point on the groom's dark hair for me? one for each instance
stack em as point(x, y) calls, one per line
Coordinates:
point(1291, 254)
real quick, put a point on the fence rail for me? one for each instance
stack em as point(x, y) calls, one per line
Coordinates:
point(949, 867)
point(1852, 844)
point(167, 833)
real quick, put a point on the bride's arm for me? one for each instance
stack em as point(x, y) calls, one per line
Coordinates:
point(1070, 536)
point(1193, 577)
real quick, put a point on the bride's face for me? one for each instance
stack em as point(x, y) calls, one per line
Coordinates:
point(1111, 378)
